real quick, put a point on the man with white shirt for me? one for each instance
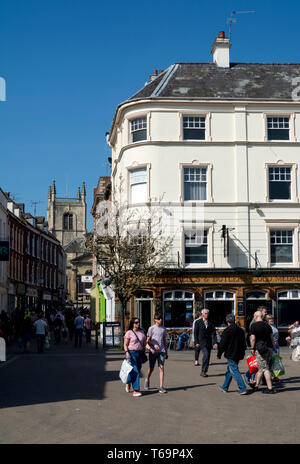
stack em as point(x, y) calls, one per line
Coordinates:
point(41, 328)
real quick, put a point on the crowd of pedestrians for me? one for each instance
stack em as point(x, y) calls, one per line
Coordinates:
point(263, 337)
point(55, 327)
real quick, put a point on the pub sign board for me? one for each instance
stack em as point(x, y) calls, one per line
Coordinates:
point(4, 250)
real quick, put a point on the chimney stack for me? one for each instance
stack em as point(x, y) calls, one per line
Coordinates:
point(153, 76)
point(220, 51)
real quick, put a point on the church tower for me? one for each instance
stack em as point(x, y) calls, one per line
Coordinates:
point(66, 216)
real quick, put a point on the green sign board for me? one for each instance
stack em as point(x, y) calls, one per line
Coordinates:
point(4, 250)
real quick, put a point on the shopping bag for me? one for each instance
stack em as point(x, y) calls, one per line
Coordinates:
point(252, 364)
point(296, 354)
point(126, 368)
point(47, 343)
point(277, 365)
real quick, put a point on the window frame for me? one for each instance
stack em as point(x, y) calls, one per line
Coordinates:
point(200, 114)
point(290, 116)
point(293, 166)
point(134, 167)
point(208, 227)
point(196, 164)
point(130, 132)
point(283, 225)
point(68, 215)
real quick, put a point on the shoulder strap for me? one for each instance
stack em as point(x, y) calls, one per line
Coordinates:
point(138, 338)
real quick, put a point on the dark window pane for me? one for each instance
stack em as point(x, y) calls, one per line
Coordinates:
point(178, 314)
point(194, 134)
point(280, 190)
point(278, 134)
point(139, 135)
point(196, 255)
point(178, 295)
point(281, 254)
point(288, 312)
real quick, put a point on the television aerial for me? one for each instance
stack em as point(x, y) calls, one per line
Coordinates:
point(233, 20)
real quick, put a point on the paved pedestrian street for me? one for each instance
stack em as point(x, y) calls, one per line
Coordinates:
point(75, 396)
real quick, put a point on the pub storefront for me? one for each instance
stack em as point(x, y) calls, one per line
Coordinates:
point(239, 293)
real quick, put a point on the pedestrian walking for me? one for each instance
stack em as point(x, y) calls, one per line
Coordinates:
point(196, 350)
point(262, 342)
point(79, 320)
point(270, 320)
point(233, 345)
point(41, 328)
point(57, 324)
point(88, 328)
point(205, 340)
point(134, 342)
point(156, 343)
point(27, 329)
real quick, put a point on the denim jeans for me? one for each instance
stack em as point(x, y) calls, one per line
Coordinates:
point(233, 372)
point(182, 338)
point(78, 337)
point(40, 340)
point(136, 362)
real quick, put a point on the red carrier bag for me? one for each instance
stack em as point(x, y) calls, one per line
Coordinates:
point(252, 364)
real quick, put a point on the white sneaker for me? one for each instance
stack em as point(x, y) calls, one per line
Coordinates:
point(162, 390)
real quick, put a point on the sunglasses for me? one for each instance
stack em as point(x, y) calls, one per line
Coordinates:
point(136, 322)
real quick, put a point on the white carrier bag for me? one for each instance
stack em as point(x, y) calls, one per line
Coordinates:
point(126, 368)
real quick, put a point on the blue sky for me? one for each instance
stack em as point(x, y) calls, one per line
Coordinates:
point(68, 64)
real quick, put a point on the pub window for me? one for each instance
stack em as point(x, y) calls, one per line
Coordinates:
point(288, 307)
point(178, 309)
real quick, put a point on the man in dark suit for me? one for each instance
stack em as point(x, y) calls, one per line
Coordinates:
point(205, 338)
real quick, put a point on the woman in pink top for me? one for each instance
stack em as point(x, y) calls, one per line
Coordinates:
point(134, 342)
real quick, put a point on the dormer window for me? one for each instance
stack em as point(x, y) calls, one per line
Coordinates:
point(138, 130)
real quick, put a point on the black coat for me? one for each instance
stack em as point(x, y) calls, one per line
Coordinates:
point(233, 343)
point(205, 337)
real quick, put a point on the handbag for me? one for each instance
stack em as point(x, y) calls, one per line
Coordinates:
point(144, 356)
point(277, 366)
point(125, 370)
point(252, 364)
